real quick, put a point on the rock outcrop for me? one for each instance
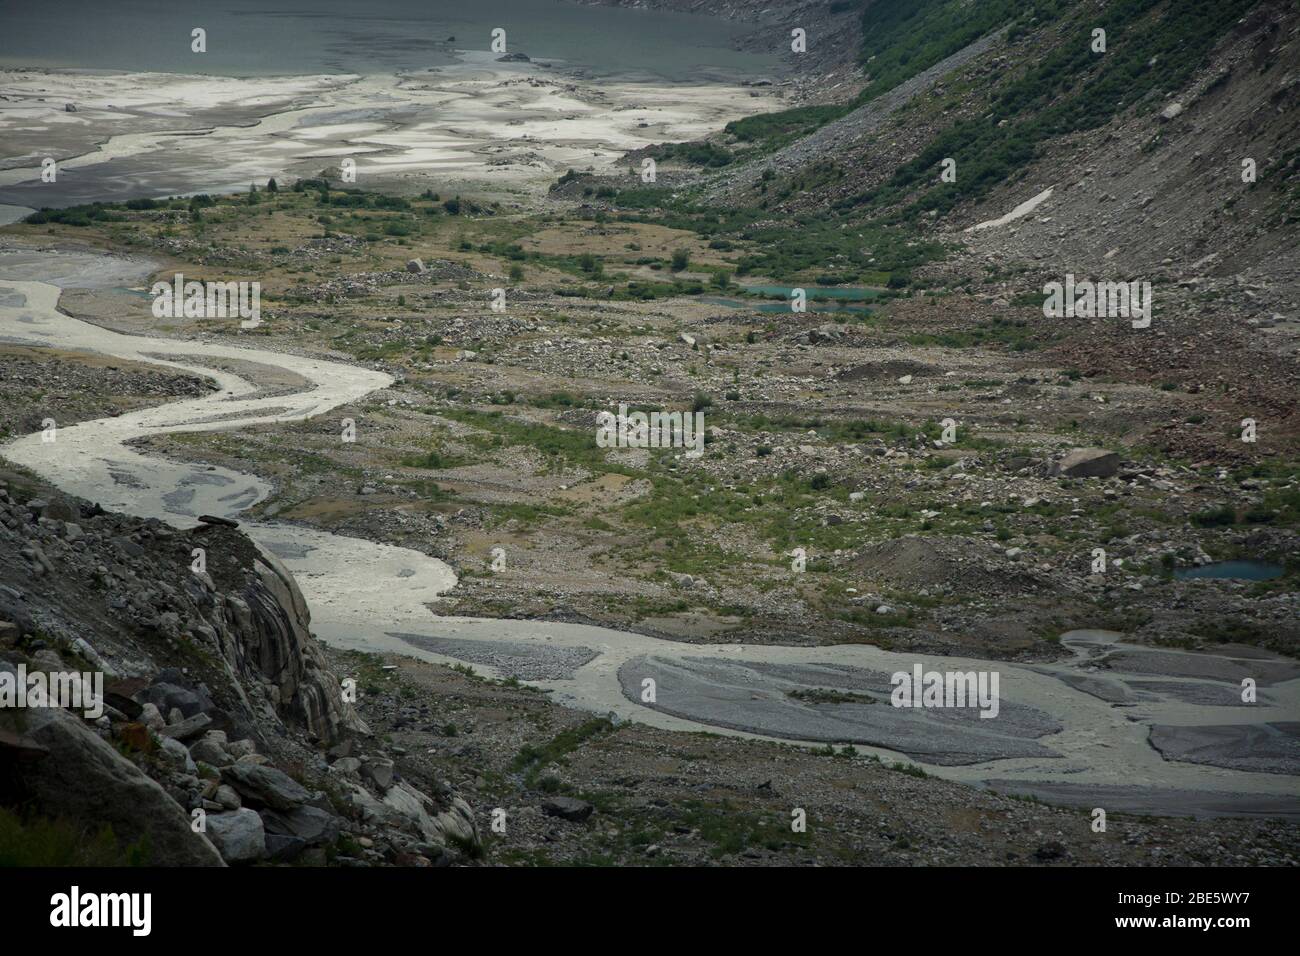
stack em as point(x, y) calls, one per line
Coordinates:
point(217, 706)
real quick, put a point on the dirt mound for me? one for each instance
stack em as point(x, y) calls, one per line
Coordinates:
point(959, 565)
point(886, 371)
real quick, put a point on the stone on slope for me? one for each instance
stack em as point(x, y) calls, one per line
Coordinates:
point(1088, 463)
point(567, 808)
point(265, 786)
point(85, 779)
point(238, 835)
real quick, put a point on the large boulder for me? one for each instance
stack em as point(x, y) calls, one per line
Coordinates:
point(265, 786)
point(312, 825)
point(82, 778)
point(14, 609)
point(238, 835)
point(1087, 463)
point(567, 808)
point(167, 696)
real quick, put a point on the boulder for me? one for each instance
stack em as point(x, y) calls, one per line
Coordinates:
point(13, 609)
point(209, 751)
point(238, 835)
point(346, 765)
point(61, 509)
point(379, 771)
point(241, 748)
point(312, 825)
point(85, 779)
point(166, 696)
point(1087, 463)
point(188, 728)
point(567, 808)
point(265, 786)
point(151, 717)
point(175, 752)
point(219, 521)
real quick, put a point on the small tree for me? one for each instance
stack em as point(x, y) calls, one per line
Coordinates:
point(681, 259)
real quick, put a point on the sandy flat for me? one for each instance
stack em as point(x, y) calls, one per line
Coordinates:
point(479, 122)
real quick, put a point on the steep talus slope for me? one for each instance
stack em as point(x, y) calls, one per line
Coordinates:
point(851, 134)
point(1165, 196)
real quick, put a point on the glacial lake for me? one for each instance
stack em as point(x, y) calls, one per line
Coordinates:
point(1238, 570)
point(253, 38)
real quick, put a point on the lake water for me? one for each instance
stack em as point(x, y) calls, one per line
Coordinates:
point(253, 38)
point(1241, 570)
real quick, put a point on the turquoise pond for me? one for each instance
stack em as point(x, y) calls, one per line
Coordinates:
point(1240, 570)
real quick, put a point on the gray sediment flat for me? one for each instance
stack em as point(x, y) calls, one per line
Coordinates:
point(756, 698)
point(1162, 801)
point(1197, 692)
point(1262, 748)
point(520, 661)
point(1206, 666)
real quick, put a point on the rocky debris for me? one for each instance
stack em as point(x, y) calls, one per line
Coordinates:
point(164, 697)
point(71, 391)
point(363, 284)
point(407, 809)
point(953, 565)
